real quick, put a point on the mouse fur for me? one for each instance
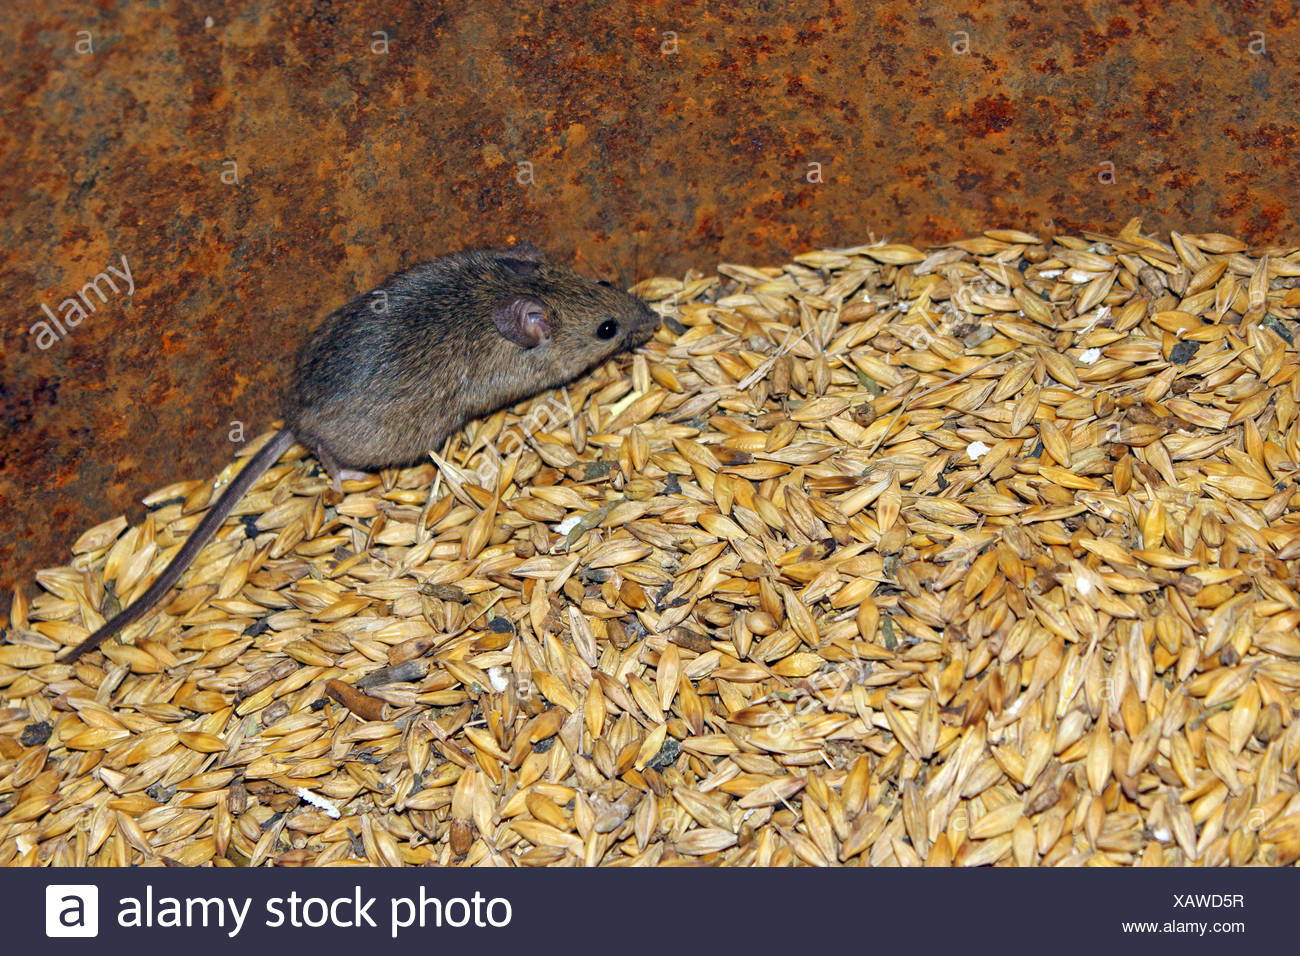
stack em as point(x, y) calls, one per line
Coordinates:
point(396, 370)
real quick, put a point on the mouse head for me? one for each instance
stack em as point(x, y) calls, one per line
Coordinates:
point(563, 322)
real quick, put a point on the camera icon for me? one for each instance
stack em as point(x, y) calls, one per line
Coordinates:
point(71, 909)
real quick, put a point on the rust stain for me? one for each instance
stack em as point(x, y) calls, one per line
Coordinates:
point(987, 115)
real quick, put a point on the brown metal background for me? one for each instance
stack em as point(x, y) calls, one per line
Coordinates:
point(661, 135)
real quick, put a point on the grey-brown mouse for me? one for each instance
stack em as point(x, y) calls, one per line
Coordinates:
point(393, 373)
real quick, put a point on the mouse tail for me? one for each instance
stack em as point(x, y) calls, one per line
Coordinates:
point(217, 513)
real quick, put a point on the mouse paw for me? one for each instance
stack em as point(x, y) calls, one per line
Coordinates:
point(337, 474)
point(347, 474)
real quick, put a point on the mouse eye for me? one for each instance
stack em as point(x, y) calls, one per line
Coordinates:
point(607, 329)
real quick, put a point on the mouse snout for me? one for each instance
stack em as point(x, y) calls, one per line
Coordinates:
point(644, 322)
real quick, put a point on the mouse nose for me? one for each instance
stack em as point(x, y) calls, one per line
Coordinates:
point(646, 324)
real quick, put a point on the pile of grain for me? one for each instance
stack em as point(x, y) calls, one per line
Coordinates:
point(985, 554)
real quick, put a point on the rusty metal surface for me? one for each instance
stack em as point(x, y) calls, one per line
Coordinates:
point(658, 136)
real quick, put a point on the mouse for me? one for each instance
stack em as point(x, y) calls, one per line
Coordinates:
point(390, 375)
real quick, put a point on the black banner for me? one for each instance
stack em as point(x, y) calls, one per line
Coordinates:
point(632, 911)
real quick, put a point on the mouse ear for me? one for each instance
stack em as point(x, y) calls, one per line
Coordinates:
point(523, 321)
point(522, 258)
